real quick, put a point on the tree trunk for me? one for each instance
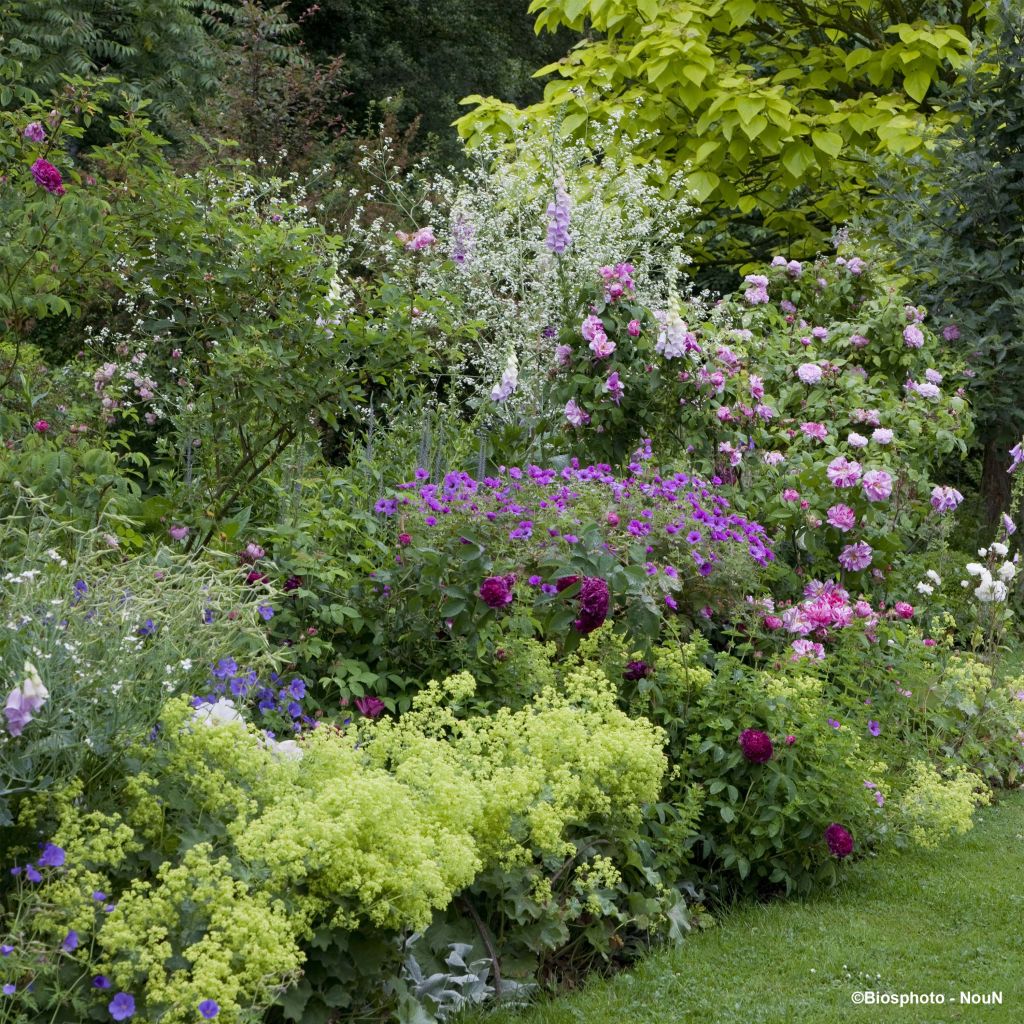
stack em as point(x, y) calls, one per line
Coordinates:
point(995, 481)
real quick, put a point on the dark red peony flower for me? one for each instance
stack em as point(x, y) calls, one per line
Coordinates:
point(372, 707)
point(637, 670)
point(594, 601)
point(496, 591)
point(756, 746)
point(840, 842)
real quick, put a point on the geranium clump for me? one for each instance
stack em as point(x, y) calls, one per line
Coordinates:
point(513, 536)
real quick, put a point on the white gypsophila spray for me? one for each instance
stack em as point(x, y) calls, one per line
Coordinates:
point(491, 251)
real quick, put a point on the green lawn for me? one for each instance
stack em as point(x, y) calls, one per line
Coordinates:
point(941, 921)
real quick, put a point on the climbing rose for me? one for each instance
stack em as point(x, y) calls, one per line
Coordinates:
point(34, 132)
point(421, 238)
point(756, 746)
point(757, 290)
point(877, 485)
point(575, 414)
point(912, 336)
point(47, 176)
point(842, 472)
point(840, 842)
point(495, 591)
point(842, 517)
point(855, 557)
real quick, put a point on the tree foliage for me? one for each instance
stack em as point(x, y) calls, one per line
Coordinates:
point(771, 104)
point(159, 50)
point(964, 209)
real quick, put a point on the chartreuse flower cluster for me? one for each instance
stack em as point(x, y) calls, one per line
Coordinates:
point(933, 807)
point(221, 859)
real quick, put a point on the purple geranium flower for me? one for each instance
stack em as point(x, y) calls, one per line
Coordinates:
point(122, 1006)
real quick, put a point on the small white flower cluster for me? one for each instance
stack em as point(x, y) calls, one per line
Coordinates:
point(488, 246)
point(224, 712)
point(994, 581)
point(927, 586)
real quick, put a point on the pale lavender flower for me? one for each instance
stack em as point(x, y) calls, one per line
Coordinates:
point(912, 336)
point(809, 373)
point(945, 499)
point(558, 237)
point(463, 234)
point(843, 472)
point(877, 485)
point(614, 387)
point(575, 414)
point(855, 557)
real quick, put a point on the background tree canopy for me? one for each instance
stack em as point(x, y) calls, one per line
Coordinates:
point(773, 106)
point(432, 53)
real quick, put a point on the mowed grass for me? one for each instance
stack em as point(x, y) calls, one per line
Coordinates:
point(944, 921)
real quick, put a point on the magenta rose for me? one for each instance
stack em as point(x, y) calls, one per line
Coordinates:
point(47, 176)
